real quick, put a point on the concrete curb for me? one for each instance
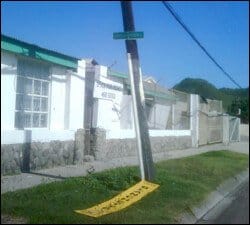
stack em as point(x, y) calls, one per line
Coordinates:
point(215, 197)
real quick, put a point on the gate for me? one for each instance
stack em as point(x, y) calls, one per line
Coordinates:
point(215, 129)
point(210, 128)
point(234, 129)
point(203, 134)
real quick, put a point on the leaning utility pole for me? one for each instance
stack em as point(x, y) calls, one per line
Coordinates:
point(141, 125)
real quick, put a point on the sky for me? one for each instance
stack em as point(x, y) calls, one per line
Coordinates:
point(167, 53)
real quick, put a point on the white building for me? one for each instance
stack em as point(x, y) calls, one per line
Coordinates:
point(55, 102)
point(41, 90)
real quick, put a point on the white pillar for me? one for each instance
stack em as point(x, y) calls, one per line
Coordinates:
point(76, 100)
point(225, 129)
point(194, 119)
point(239, 129)
point(173, 122)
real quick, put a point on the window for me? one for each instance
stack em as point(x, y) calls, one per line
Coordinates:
point(32, 92)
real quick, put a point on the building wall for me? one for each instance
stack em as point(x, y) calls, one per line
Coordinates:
point(158, 116)
point(107, 104)
point(126, 113)
point(77, 93)
point(63, 142)
point(57, 98)
point(8, 92)
point(45, 147)
point(66, 96)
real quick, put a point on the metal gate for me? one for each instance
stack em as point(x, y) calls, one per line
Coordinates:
point(203, 134)
point(215, 129)
point(234, 129)
point(210, 128)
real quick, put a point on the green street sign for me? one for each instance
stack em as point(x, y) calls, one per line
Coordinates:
point(129, 35)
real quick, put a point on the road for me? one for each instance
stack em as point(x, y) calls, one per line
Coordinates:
point(234, 209)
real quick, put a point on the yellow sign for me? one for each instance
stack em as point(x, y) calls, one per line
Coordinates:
point(121, 201)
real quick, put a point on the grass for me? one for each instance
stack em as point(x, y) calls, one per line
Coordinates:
point(183, 183)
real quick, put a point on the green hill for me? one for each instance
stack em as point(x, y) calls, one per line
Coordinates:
point(206, 89)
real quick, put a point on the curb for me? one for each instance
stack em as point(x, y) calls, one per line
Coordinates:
point(215, 197)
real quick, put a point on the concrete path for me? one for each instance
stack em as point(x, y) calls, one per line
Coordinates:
point(26, 180)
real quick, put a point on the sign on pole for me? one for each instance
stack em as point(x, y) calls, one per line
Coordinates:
point(129, 35)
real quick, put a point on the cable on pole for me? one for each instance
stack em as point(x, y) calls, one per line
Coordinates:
point(176, 16)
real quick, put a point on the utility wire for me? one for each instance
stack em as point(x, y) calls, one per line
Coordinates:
point(175, 15)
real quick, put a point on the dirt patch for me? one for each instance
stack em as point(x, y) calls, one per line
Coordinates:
point(6, 219)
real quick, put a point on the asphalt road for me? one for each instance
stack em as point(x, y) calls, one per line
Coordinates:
point(234, 210)
point(238, 211)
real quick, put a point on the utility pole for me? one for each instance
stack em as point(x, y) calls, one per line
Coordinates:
point(141, 125)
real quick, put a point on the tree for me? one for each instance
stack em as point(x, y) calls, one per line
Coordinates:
point(243, 105)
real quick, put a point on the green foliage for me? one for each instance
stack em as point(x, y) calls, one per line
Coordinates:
point(198, 86)
point(183, 183)
point(117, 179)
point(243, 105)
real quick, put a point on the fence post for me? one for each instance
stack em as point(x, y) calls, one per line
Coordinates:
point(194, 119)
point(79, 146)
point(225, 129)
point(98, 143)
point(239, 130)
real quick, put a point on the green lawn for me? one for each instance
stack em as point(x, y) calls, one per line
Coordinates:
point(183, 183)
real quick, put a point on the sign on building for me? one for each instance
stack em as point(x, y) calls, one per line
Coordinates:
point(108, 96)
point(107, 89)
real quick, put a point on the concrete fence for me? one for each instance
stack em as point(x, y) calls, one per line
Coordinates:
point(107, 148)
point(35, 155)
point(244, 132)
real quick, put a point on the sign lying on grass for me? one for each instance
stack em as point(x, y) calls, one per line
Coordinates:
point(121, 201)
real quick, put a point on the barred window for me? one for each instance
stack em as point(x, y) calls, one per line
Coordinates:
point(32, 92)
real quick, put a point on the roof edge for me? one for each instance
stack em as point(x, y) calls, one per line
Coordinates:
point(23, 48)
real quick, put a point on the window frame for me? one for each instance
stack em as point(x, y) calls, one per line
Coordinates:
point(31, 112)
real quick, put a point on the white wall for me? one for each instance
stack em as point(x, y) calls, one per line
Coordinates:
point(107, 110)
point(244, 129)
point(123, 134)
point(158, 116)
point(107, 117)
point(127, 116)
point(101, 71)
point(42, 135)
point(66, 103)
point(77, 93)
point(57, 97)
point(67, 98)
point(8, 93)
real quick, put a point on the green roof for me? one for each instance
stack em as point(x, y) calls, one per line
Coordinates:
point(117, 74)
point(157, 94)
point(147, 92)
point(23, 48)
